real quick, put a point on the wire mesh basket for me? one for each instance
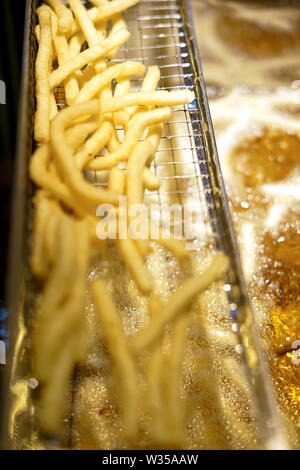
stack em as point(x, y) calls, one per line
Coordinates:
point(186, 163)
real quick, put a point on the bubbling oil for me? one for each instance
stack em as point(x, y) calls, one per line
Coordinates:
point(255, 39)
point(249, 54)
point(267, 157)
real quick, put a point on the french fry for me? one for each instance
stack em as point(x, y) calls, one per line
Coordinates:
point(149, 84)
point(53, 107)
point(136, 165)
point(118, 23)
point(105, 12)
point(134, 181)
point(117, 181)
point(63, 55)
point(69, 268)
point(71, 308)
point(135, 264)
point(78, 134)
point(173, 409)
point(51, 403)
point(40, 174)
point(98, 82)
point(150, 180)
point(109, 9)
point(123, 363)
point(51, 232)
point(65, 17)
point(88, 29)
point(154, 394)
point(83, 77)
point(102, 30)
point(39, 258)
point(89, 195)
point(89, 55)
point(177, 247)
point(94, 145)
point(75, 44)
point(163, 378)
point(43, 60)
point(55, 360)
point(72, 311)
point(156, 98)
point(86, 24)
point(113, 143)
point(122, 89)
point(82, 248)
point(53, 295)
point(75, 47)
point(181, 300)
point(144, 120)
point(151, 79)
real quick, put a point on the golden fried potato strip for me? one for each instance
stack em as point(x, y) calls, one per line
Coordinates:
point(133, 260)
point(181, 300)
point(149, 84)
point(150, 180)
point(65, 17)
point(42, 70)
point(104, 12)
point(63, 55)
point(89, 55)
point(122, 89)
point(89, 195)
point(155, 98)
point(41, 175)
point(123, 363)
point(136, 165)
point(134, 133)
point(118, 23)
point(98, 82)
point(61, 327)
point(39, 260)
point(94, 145)
point(117, 181)
point(77, 135)
point(88, 28)
point(173, 406)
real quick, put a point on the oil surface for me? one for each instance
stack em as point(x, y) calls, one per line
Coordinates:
point(249, 53)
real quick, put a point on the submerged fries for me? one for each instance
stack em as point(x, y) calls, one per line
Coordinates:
point(180, 301)
point(122, 360)
point(61, 317)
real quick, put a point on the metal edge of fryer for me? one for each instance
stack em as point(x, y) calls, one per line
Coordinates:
point(16, 258)
point(256, 370)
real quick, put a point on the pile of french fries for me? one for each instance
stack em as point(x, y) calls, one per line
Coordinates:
point(76, 51)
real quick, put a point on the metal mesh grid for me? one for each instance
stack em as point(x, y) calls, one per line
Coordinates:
point(183, 162)
point(158, 38)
